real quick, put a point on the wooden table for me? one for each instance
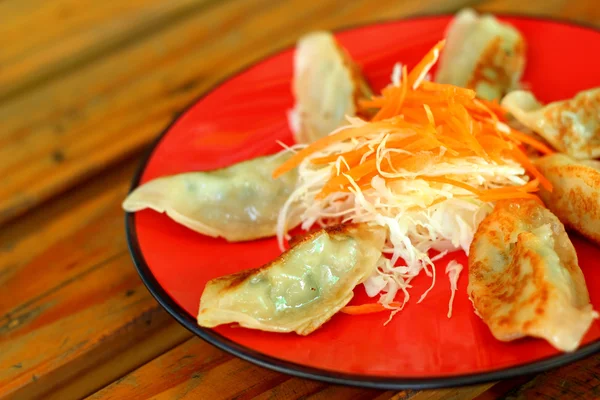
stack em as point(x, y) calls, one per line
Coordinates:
point(85, 85)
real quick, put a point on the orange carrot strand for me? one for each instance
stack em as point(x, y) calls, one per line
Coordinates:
point(522, 159)
point(536, 144)
point(440, 179)
point(369, 308)
point(417, 74)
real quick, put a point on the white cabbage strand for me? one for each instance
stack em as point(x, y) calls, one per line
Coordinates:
point(419, 215)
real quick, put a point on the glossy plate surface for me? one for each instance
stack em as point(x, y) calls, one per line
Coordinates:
point(242, 118)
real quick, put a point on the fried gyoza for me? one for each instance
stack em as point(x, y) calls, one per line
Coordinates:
point(327, 85)
point(482, 54)
point(575, 198)
point(300, 290)
point(240, 202)
point(572, 126)
point(524, 277)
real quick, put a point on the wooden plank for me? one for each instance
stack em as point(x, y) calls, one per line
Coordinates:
point(401, 395)
point(466, 392)
point(350, 393)
point(77, 124)
point(501, 388)
point(40, 39)
point(88, 322)
point(229, 378)
point(580, 380)
point(196, 370)
point(143, 346)
point(295, 388)
point(56, 243)
point(579, 11)
point(184, 370)
point(74, 313)
point(292, 388)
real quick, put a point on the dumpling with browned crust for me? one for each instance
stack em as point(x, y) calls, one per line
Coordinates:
point(482, 54)
point(571, 126)
point(327, 85)
point(301, 289)
point(575, 198)
point(524, 277)
point(240, 202)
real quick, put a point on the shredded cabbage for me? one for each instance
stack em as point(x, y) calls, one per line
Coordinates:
point(453, 270)
point(425, 218)
point(420, 216)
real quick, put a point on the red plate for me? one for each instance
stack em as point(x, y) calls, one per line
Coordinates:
point(242, 118)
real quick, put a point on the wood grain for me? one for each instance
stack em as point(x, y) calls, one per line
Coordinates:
point(71, 301)
point(575, 381)
point(58, 242)
point(196, 370)
point(75, 33)
point(78, 124)
point(59, 335)
point(586, 12)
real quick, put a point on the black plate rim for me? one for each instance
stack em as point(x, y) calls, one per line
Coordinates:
point(299, 370)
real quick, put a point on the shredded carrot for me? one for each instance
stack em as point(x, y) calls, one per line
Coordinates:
point(449, 89)
point(515, 195)
point(490, 194)
point(437, 201)
point(395, 98)
point(423, 143)
point(404, 90)
point(368, 169)
point(321, 144)
point(368, 308)
point(440, 179)
point(430, 116)
point(524, 138)
point(339, 183)
point(342, 135)
point(350, 156)
point(481, 106)
point(417, 74)
point(493, 107)
point(522, 159)
point(375, 102)
point(530, 187)
point(423, 122)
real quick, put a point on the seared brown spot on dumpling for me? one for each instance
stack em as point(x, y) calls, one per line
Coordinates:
point(483, 54)
point(529, 283)
point(362, 90)
point(300, 290)
point(575, 198)
point(493, 75)
point(236, 279)
point(231, 282)
point(571, 126)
